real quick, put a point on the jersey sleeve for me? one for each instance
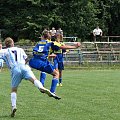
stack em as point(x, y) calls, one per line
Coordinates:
point(24, 54)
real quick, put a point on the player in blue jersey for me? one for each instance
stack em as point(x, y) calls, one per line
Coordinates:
point(43, 74)
point(15, 59)
point(58, 60)
point(41, 54)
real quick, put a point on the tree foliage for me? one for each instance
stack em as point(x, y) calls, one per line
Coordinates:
point(27, 18)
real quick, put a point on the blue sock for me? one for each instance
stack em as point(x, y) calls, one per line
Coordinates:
point(42, 78)
point(53, 85)
point(60, 80)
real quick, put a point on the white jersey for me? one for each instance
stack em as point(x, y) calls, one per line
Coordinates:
point(1, 52)
point(14, 56)
point(53, 32)
point(1, 60)
point(97, 31)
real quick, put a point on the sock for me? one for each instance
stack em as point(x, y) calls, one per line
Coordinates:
point(53, 85)
point(60, 80)
point(13, 99)
point(42, 77)
point(38, 84)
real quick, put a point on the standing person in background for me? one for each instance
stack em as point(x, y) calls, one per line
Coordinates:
point(60, 31)
point(41, 54)
point(16, 60)
point(53, 32)
point(1, 60)
point(97, 34)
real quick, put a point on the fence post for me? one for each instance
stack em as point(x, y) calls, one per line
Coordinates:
point(80, 56)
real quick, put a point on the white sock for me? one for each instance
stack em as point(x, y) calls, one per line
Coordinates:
point(38, 84)
point(13, 99)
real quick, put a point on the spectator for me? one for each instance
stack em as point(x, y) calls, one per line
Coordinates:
point(53, 32)
point(46, 29)
point(60, 31)
point(97, 34)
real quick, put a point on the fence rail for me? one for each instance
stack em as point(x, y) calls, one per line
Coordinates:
point(109, 37)
point(94, 52)
point(90, 52)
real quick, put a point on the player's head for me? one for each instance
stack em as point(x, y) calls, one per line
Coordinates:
point(58, 37)
point(46, 34)
point(9, 42)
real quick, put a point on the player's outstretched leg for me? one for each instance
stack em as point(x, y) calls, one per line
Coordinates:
point(42, 89)
point(14, 109)
point(55, 96)
point(50, 94)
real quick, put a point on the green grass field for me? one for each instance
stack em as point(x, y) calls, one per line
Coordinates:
point(86, 95)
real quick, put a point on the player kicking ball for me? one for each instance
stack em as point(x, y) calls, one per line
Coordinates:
point(16, 60)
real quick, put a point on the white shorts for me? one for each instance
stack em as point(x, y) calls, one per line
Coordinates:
point(20, 72)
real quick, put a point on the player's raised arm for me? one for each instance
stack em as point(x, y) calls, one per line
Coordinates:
point(76, 45)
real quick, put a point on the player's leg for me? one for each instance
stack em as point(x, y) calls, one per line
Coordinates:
point(50, 69)
point(60, 78)
point(30, 76)
point(54, 83)
point(47, 67)
point(13, 101)
point(39, 85)
point(60, 67)
point(55, 60)
point(42, 77)
point(15, 81)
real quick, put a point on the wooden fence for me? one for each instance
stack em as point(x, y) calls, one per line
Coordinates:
point(94, 52)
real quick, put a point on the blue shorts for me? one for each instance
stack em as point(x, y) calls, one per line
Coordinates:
point(20, 72)
point(58, 62)
point(58, 65)
point(41, 64)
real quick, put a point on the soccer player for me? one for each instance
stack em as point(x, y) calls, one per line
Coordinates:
point(1, 60)
point(40, 58)
point(58, 60)
point(16, 59)
point(43, 74)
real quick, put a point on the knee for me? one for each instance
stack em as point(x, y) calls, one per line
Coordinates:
point(56, 74)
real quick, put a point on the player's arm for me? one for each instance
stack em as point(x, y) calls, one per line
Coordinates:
point(26, 60)
point(56, 47)
point(52, 55)
point(24, 55)
point(70, 46)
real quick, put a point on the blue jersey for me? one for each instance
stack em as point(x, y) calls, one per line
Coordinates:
point(58, 60)
point(43, 49)
point(40, 56)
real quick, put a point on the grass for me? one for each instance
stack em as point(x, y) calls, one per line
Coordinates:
point(86, 95)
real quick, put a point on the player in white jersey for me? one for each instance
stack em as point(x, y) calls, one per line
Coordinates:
point(1, 60)
point(15, 59)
